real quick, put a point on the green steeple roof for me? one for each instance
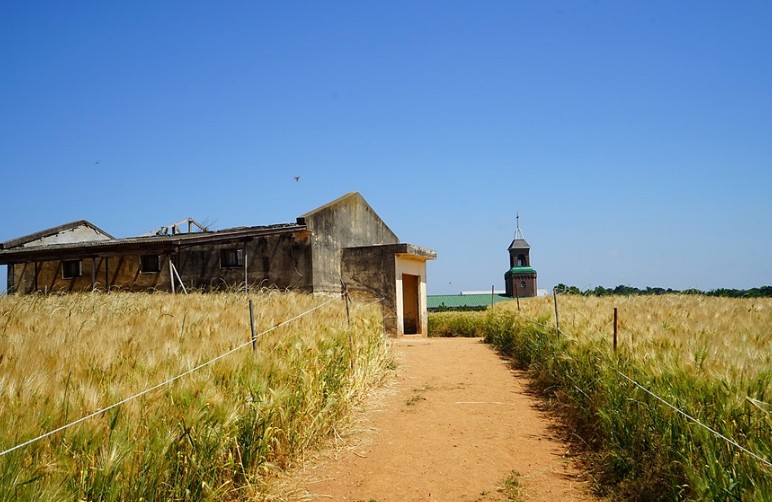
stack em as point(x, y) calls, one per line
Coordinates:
point(522, 270)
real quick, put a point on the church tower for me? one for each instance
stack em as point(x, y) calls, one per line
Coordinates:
point(520, 279)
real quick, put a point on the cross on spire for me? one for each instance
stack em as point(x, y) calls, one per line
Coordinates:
point(518, 232)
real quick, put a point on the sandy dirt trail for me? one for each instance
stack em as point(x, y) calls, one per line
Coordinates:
point(451, 425)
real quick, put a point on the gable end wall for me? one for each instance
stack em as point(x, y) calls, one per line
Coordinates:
point(347, 222)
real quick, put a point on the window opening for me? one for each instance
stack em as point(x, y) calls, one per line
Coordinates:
point(71, 269)
point(150, 264)
point(230, 258)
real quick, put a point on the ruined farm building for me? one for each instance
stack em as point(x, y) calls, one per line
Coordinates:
point(340, 243)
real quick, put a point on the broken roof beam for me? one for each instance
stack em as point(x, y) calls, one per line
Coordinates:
point(174, 228)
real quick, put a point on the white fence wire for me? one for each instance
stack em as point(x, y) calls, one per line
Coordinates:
point(717, 434)
point(165, 382)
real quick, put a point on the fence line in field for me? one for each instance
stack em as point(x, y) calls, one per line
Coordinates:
point(683, 413)
point(673, 407)
point(170, 380)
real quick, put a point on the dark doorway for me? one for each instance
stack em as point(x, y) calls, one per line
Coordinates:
point(411, 325)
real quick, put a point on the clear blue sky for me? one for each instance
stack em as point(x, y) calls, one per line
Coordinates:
point(634, 138)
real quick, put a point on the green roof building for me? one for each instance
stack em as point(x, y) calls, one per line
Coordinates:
point(464, 301)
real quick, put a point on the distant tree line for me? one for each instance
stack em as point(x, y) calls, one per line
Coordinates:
point(762, 292)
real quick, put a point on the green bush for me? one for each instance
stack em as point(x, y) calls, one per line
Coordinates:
point(461, 324)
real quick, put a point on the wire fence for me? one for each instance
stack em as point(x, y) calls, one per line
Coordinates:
point(172, 379)
point(689, 417)
point(663, 401)
point(309, 311)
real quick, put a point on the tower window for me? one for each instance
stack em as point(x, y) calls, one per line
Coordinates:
point(522, 284)
point(521, 261)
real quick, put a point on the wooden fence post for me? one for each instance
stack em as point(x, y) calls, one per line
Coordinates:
point(252, 326)
point(615, 329)
point(557, 318)
point(344, 293)
point(347, 299)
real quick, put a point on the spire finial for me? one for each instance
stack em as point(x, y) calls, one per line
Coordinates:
point(518, 232)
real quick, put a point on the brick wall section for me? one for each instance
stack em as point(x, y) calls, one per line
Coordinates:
point(530, 284)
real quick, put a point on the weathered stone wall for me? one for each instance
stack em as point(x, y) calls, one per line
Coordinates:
point(370, 272)
point(49, 277)
point(281, 261)
point(376, 271)
point(346, 222)
point(116, 272)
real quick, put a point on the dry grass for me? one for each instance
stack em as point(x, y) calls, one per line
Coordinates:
point(209, 435)
point(715, 337)
point(709, 357)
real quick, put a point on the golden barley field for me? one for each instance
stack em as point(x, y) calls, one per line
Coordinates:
point(713, 337)
point(680, 411)
point(205, 417)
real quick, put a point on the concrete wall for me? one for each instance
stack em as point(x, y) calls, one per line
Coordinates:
point(346, 222)
point(282, 261)
point(22, 277)
point(368, 273)
point(376, 272)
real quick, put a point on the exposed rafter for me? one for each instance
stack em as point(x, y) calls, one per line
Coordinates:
point(174, 228)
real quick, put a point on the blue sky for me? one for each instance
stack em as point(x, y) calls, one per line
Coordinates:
point(633, 138)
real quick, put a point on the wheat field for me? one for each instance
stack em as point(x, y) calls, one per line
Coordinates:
point(714, 337)
point(706, 359)
point(211, 434)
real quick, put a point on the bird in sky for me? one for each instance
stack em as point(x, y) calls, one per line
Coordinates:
point(297, 178)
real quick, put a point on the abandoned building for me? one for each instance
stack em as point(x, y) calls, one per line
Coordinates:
point(520, 278)
point(343, 242)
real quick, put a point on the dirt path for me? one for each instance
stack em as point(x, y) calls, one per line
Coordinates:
point(451, 425)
